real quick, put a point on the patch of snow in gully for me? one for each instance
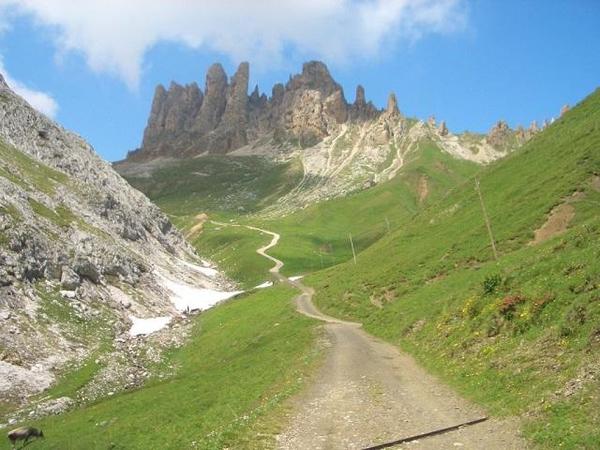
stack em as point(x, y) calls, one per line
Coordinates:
point(147, 326)
point(185, 297)
point(266, 284)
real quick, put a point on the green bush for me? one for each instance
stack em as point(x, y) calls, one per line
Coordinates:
point(490, 284)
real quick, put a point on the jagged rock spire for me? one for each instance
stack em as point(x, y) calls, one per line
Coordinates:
point(360, 96)
point(231, 131)
point(215, 99)
point(534, 128)
point(225, 117)
point(392, 104)
point(255, 94)
point(443, 129)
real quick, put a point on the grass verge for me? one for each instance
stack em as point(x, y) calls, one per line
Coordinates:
point(244, 358)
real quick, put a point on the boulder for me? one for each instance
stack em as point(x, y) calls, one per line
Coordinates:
point(69, 280)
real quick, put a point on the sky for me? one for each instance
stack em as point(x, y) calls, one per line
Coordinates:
point(93, 66)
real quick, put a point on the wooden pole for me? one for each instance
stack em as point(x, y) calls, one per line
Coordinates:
point(486, 219)
point(352, 245)
point(387, 222)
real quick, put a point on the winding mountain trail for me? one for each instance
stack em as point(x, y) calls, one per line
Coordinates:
point(367, 393)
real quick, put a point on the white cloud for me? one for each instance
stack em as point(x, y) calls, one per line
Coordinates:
point(114, 35)
point(41, 101)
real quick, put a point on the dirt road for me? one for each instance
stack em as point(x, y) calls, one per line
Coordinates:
point(367, 392)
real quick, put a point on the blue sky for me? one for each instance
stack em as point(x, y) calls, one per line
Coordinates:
point(469, 63)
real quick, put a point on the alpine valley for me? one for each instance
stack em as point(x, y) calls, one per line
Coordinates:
point(293, 270)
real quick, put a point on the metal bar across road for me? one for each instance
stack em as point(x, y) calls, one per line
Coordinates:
point(428, 434)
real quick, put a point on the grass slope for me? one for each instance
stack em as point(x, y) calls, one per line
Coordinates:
point(313, 238)
point(318, 236)
point(520, 335)
point(222, 185)
point(244, 358)
point(234, 250)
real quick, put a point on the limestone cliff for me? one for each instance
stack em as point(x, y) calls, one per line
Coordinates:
point(184, 121)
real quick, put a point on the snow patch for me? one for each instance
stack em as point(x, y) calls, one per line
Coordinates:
point(266, 284)
point(296, 277)
point(185, 297)
point(147, 326)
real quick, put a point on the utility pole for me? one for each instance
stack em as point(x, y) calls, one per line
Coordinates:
point(352, 245)
point(387, 222)
point(486, 218)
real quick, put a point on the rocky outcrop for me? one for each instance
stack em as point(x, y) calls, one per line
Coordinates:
point(392, 105)
point(361, 111)
point(307, 110)
point(499, 135)
point(233, 125)
point(173, 111)
point(215, 100)
point(71, 232)
point(443, 129)
point(185, 121)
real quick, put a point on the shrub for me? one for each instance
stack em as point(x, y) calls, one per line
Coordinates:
point(491, 283)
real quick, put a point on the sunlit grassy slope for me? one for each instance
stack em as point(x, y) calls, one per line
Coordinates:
point(318, 236)
point(244, 358)
point(223, 186)
point(520, 335)
point(237, 188)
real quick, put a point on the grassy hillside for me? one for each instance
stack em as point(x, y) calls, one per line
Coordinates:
point(244, 358)
point(318, 236)
point(223, 186)
point(237, 188)
point(519, 335)
point(234, 250)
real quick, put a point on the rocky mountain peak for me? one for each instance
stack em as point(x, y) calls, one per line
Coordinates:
point(172, 110)
point(534, 127)
point(3, 82)
point(392, 105)
point(315, 76)
point(215, 99)
point(360, 109)
point(500, 135)
point(443, 129)
point(231, 131)
point(359, 99)
point(184, 121)
point(255, 94)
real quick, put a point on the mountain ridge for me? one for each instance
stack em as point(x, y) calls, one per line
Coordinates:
point(186, 121)
point(83, 259)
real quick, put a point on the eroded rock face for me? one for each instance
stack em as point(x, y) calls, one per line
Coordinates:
point(232, 128)
point(71, 230)
point(309, 109)
point(443, 129)
point(361, 111)
point(500, 135)
point(215, 100)
point(173, 111)
point(392, 105)
point(185, 122)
